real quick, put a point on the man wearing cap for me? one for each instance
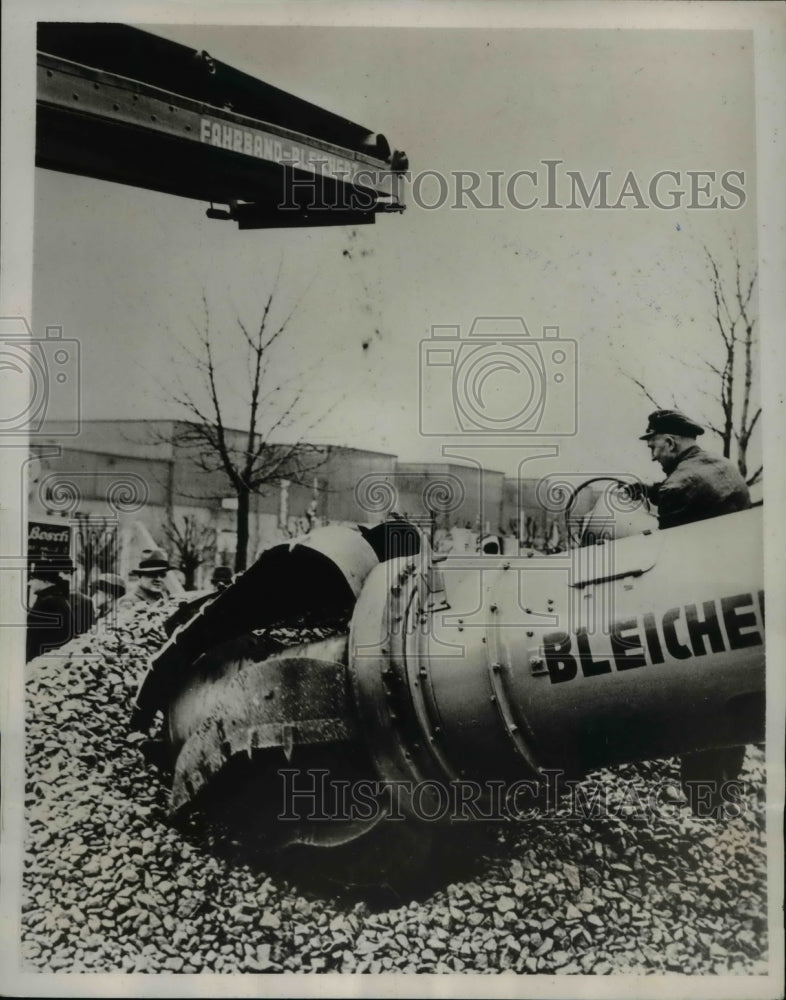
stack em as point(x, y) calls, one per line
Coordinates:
point(105, 590)
point(698, 485)
point(151, 587)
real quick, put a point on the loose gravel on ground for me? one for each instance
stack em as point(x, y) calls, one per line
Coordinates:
point(110, 885)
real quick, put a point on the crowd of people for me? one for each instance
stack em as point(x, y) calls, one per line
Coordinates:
point(58, 609)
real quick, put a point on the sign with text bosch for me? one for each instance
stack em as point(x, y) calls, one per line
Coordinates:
point(278, 149)
point(51, 537)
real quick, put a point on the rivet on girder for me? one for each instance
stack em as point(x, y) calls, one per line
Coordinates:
point(506, 565)
point(527, 611)
point(530, 634)
point(496, 667)
point(493, 608)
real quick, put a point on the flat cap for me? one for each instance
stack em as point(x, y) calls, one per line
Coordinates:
point(153, 564)
point(110, 583)
point(671, 422)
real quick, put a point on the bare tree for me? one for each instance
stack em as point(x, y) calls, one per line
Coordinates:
point(193, 544)
point(732, 372)
point(735, 325)
point(250, 458)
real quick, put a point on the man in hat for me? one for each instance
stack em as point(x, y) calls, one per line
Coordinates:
point(105, 590)
point(151, 587)
point(698, 485)
point(49, 614)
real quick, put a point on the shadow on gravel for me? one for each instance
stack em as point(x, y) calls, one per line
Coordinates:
point(383, 864)
point(389, 866)
point(395, 864)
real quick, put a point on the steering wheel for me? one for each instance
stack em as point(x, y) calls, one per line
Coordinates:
point(573, 496)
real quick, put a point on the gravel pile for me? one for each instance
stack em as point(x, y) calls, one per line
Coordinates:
point(109, 885)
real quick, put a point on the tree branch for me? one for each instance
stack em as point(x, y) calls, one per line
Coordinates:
point(642, 387)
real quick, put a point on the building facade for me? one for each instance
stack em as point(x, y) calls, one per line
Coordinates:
point(151, 484)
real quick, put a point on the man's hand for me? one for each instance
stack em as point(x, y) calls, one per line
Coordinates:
point(635, 491)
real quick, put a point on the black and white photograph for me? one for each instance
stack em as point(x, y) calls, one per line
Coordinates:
point(392, 443)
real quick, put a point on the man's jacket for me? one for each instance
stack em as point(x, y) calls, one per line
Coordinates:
point(698, 487)
point(49, 623)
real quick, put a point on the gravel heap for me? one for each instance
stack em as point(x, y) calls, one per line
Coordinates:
point(110, 885)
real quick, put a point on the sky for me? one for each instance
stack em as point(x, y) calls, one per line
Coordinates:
point(124, 270)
